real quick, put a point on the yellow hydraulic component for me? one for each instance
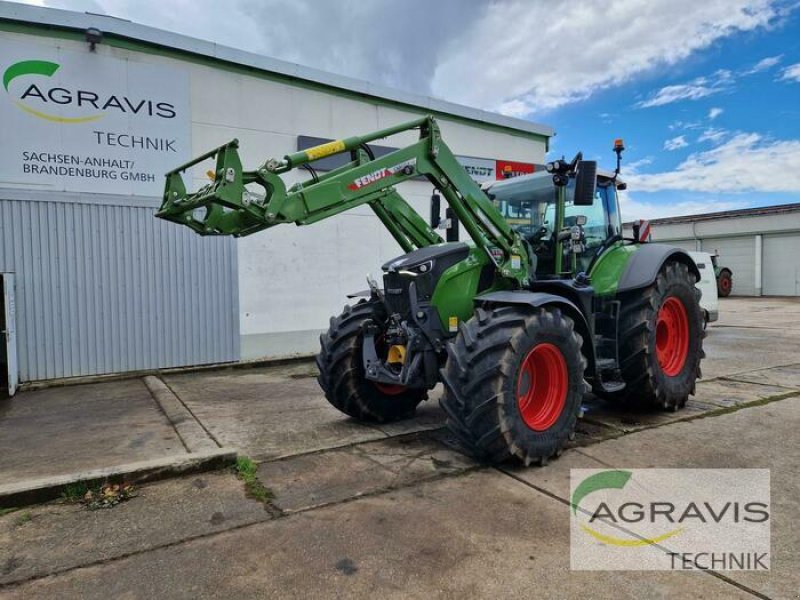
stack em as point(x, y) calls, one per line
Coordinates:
point(396, 355)
point(211, 175)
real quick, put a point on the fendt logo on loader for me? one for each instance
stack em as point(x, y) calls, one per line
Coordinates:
point(37, 99)
point(407, 167)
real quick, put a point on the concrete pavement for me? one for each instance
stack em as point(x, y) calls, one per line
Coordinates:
point(394, 510)
point(63, 429)
point(486, 532)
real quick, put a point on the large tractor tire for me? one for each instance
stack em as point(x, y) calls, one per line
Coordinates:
point(724, 283)
point(661, 341)
point(341, 370)
point(514, 383)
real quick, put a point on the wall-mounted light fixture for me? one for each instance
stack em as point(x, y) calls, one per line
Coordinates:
point(94, 36)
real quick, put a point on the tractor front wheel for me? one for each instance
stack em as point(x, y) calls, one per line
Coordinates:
point(661, 340)
point(341, 370)
point(514, 383)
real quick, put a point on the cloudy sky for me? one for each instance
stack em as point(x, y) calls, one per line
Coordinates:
point(705, 94)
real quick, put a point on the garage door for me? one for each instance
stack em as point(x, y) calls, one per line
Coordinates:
point(781, 267)
point(738, 254)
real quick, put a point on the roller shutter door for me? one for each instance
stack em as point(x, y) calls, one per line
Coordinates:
point(738, 254)
point(781, 265)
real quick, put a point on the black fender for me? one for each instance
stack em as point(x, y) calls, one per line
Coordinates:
point(542, 299)
point(644, 265)
point(361, 294)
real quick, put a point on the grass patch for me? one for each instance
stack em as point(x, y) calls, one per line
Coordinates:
point(74, 492)
point(24, 517)
point(247, 471)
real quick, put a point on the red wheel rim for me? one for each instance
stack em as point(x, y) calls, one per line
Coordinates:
point(542, 387)
point(725, 284)
point(672, 336)
point(390, 389)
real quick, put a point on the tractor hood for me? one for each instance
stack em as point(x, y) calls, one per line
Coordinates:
point(449, 253)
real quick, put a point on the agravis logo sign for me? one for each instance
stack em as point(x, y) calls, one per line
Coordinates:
point(102, 122)
point(670, 519)
point(629, 512)
point(37, 98)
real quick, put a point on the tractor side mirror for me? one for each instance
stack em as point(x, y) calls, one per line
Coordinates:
point(585, 182)
point(436, 210)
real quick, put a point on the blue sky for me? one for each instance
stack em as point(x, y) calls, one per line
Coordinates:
point(705, 94)
point(748, 100)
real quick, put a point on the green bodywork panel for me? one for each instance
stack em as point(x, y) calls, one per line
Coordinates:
point(457, 287)
point(609, 267)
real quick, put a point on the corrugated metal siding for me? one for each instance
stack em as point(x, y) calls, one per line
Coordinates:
point(109, 288)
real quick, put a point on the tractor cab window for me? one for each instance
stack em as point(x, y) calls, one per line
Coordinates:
point(524, 204)
point(528, 205)
point(596, 228)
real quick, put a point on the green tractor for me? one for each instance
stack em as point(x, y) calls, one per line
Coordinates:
point(546, 302)
point(723, 275)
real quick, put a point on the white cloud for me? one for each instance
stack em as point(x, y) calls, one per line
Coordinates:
point(712, 134)
point(764, 64)
point(634, 166)
point(553, 57)
point(747, 162)
point(702, 87)
point(675, 143)
point(791, 73)
point(633, 208)
point(685, 125)
point(697, 88)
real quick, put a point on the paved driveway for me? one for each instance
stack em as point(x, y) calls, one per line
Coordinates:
point(395, 511)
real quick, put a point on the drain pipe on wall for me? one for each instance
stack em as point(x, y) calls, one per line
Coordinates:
point(698, 245)
point(757, 269)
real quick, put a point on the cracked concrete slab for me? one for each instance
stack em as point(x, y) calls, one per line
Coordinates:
point(265, 415)
point(481, 535)
point(58, 430)
point(310, 480)
point(733, 350)
point(52, 537)
point(727, 392)
point(627, 419)
point(785, 376)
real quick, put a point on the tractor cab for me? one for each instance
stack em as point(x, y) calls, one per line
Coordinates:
point(528, 204)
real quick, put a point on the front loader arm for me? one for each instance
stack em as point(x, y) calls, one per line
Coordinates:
point(239, 203)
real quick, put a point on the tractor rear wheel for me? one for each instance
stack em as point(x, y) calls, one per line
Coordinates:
point(514, 383)
point(341, 370)
point(661, 340)
point(724, 283)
